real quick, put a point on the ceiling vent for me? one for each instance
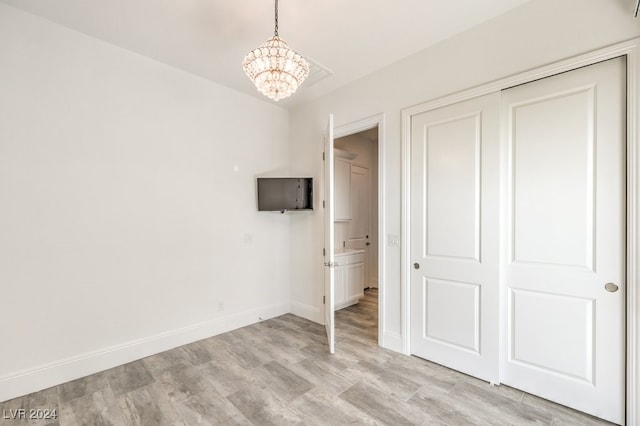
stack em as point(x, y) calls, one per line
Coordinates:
point(317, 73)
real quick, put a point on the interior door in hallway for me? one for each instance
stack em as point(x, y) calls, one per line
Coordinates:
point(454, 236)
point(564, 275)
point(359, 228)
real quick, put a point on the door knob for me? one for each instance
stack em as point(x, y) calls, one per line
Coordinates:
point(416, 265)
point(611, 287)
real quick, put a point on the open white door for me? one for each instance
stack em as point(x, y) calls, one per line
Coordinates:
point(329, 243)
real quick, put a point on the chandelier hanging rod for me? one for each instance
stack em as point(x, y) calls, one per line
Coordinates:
point(275, 30)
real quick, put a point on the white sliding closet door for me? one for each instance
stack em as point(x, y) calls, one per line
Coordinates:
point(454, 236)
point(564, 241)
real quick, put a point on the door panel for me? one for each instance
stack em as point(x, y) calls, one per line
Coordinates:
point(454, 229)
point(449, 302)
point(538, 334)
point(355, 280)
point(452, 190)
point(329, 243)
point(565, 238)
point(553, 211)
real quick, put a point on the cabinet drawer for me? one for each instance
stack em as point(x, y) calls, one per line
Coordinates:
point(349, 259)
point(354, 258)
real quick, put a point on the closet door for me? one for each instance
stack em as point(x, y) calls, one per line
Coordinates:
point(454, 236)
point(564, 273)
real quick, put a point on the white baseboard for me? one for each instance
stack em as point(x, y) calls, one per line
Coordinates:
point(312, 313)
point(348, 302)
point(392, 341)
point(61, 371)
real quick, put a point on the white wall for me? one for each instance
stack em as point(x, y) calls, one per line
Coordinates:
point(127, 215)
point(537, 33)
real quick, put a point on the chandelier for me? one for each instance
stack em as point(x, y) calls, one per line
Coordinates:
point(276, 70)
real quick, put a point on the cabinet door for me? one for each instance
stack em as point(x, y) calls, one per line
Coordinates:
point(355, 280)
point(342, 189)
point(340, 284)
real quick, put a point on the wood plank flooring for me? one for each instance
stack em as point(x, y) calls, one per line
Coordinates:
point(278, 372)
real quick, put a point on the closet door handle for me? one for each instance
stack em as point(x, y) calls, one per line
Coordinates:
point(611, 287)
point(416, 265)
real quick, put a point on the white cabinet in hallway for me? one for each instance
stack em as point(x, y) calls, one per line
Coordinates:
point(349, 277)
point(342, 170)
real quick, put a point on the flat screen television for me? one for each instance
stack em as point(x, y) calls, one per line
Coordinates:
point(285, 194)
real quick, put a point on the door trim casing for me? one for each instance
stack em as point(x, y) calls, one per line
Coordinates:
point(384, 338)
point(629, 49)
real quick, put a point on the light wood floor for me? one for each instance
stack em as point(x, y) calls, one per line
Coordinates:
point(278, 372)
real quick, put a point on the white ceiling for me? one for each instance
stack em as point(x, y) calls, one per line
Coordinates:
point(209, 38)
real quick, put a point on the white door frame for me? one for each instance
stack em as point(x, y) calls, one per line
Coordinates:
point(350, 129)
point(631, 50)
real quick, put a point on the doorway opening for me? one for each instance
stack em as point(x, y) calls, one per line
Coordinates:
point(356, 235)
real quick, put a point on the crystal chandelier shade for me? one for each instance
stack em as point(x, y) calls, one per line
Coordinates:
point(276, 70)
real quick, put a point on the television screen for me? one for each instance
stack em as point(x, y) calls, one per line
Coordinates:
point(282, 194)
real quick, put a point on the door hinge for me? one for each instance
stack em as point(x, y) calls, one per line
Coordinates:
point(324, 300)
point(324, 251)
point(323, 156)
point(323, 204)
